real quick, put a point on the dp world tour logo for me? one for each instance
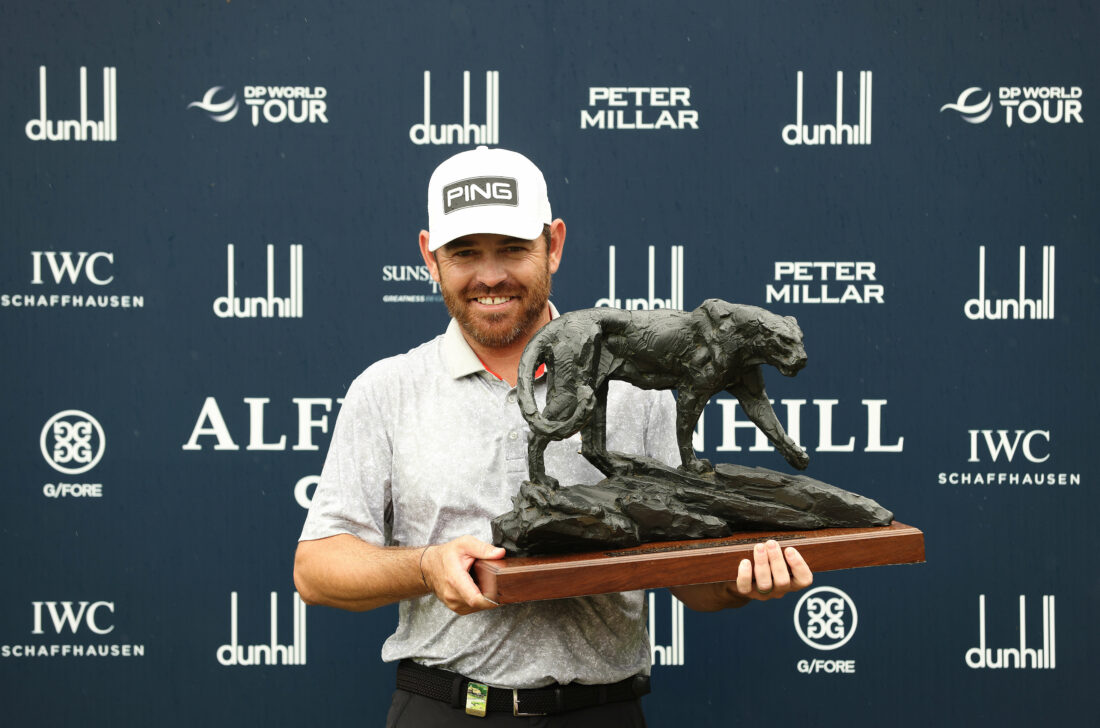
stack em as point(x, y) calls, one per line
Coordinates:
point(217, 110)
point(971, 106)
point(825, 618)
point(72, 442)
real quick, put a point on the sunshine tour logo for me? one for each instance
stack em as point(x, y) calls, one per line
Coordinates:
point(1027, 104)
point(1029, 448)
point(82, 129)
point(72, 443)
point(269, 306)
point(270, 104)
point(85, 620)
point(466, 132)
point(418, 274)
point(66, 268)
point(1021, 307)
point(1023, 657)
point(859, 133)
point(824, 282)
point(270, 652)
point(639, 108)
point(675, 299)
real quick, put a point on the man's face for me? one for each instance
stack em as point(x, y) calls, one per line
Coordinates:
point(496, 287)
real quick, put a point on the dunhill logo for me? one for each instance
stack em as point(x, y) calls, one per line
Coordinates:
point(1024, 657)
point(1015, 308)
point(464, 133)
point(839, 133)
point(82, 129)
point(676, 284)
point(232, 306)
point(672, 654)
point(272, 653)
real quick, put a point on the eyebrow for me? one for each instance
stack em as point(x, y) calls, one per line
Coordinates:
point(462, 243)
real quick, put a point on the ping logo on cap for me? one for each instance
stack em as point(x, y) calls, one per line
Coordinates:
point(479, 191)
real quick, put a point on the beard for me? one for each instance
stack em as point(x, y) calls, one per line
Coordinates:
point(499, 330)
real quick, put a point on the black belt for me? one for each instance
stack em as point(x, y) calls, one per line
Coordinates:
point(450, 687)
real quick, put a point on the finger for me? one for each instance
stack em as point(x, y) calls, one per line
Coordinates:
point(781, 578)
point(763, 569)
point(469, 595)
point(479, 549)
point(464, 596)
point(801, 574)
point(744, 577)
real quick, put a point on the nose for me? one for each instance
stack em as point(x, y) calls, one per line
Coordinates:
point(491, 271)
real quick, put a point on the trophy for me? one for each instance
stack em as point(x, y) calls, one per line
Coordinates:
point(649, 525)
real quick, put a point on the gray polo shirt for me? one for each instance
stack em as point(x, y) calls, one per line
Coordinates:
point(429, 446)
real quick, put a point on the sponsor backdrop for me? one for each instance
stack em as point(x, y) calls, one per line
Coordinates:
point(210, 225)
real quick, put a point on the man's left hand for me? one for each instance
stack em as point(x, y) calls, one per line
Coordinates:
point(767, 576)
point(770, 574)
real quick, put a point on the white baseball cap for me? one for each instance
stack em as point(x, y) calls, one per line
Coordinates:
point(486, 191)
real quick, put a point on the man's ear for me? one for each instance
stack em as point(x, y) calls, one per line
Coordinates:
point(557, 244)
point(429, 258)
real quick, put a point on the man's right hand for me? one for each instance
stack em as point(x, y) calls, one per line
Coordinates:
point(445, 569)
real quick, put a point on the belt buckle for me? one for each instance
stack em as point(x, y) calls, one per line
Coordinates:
point(515, 706)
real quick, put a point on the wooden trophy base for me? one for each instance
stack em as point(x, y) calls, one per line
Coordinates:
point(676, 563)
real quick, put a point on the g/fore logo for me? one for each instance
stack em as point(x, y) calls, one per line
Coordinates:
point(826, 618)
point(639, 107)
point(465, 133)
point(82, 129)
point(651, 301)
point(839, 133)
point(990, 445)
point(825, 281)
point(232, 306)
point(270, 653)
point(1027, 104)
point(72, 442)
point(272, 104)
point(91, 619)
point(980, 308)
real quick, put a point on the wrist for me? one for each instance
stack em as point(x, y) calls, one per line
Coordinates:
point(423, 578)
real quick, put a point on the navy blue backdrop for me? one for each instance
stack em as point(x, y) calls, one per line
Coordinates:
point(209, 229)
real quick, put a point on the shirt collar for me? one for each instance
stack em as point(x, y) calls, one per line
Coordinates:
point(458, 358)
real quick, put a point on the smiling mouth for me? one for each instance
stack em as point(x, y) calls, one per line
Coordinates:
point(493, 300)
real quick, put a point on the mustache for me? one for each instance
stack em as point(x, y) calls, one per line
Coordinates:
point(480, 290)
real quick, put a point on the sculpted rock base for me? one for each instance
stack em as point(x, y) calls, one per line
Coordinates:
point(656, 503)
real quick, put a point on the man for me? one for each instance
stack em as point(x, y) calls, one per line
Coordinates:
point(429, 446)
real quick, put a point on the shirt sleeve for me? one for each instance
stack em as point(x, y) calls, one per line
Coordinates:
point(353, 495)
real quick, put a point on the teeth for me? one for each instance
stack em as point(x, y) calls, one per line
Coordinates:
point(492, 300)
